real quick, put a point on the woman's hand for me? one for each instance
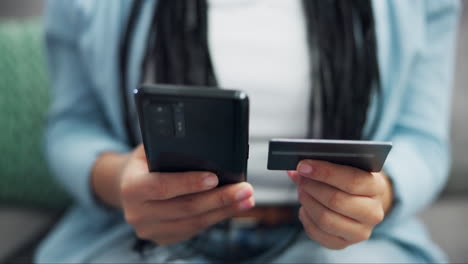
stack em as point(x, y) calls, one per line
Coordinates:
point(340, 204)
point(171, 207)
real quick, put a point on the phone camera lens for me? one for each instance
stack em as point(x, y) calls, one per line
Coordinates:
point(162, 117)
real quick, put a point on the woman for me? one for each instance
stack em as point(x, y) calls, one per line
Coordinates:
point(325, 69)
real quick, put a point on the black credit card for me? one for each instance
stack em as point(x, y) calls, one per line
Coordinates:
point(285, 154)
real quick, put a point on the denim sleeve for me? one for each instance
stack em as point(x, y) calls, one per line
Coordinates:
point(76, 130)
point(420, 159)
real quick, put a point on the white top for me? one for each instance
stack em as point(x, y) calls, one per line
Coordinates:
point(260, 47)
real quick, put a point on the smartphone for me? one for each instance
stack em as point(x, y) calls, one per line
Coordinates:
point(285, 154)
point(188, 128)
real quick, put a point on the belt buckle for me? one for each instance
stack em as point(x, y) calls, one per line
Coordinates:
point(244, 222)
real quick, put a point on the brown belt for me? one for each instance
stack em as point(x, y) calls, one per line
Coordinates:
point(268, 215)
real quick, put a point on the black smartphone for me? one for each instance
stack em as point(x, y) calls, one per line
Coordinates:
point(285, 154)
point(188, 128)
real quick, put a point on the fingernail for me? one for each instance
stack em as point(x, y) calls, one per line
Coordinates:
point(305, 168)
point(242, 194)
point(210, 180)
point(247, 204)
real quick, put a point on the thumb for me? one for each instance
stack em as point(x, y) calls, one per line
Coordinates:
point(139, 152)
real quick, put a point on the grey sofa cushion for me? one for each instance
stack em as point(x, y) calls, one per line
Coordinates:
point(458, 182)
point(447, 222)
point(22, 228)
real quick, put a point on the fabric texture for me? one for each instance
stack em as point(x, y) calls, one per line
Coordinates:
point(116, 242)
point(25, 178)
point(415, 51)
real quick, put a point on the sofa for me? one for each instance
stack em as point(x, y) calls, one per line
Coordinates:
point(31, 201)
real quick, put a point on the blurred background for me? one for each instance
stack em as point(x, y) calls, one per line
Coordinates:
point(27, 211)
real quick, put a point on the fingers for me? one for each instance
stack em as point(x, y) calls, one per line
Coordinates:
point(346, 178)
point(164, 186)
point(294, 176)
point(168, 230)
point(340, 204)
point(324, 239)
point(200, 203)
point(360, 208)
point(139, 152)
point(332, 223)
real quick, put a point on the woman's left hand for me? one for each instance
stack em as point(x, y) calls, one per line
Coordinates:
point(340, 204)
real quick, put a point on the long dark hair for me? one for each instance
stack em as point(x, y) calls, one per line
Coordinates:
point(343, 56)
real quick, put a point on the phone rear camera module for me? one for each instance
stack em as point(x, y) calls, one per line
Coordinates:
point(162, 119)
point(179, 120)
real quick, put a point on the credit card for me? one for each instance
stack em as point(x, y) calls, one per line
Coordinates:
point(285, 154)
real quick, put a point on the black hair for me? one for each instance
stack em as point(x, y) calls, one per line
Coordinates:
point(180, 50)
point(342, 48)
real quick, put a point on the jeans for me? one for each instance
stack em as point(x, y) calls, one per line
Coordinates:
point(254, 244)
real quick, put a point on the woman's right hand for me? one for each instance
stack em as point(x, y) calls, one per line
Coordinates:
point(171, 207)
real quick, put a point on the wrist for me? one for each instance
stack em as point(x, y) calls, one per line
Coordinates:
point(388, 194)
point(105, 177)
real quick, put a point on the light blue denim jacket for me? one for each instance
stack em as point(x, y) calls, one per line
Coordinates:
point(416, 46)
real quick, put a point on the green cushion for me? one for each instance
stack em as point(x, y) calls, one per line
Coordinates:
point(24, 176)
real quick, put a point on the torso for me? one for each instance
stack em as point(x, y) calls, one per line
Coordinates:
point(260, 47)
